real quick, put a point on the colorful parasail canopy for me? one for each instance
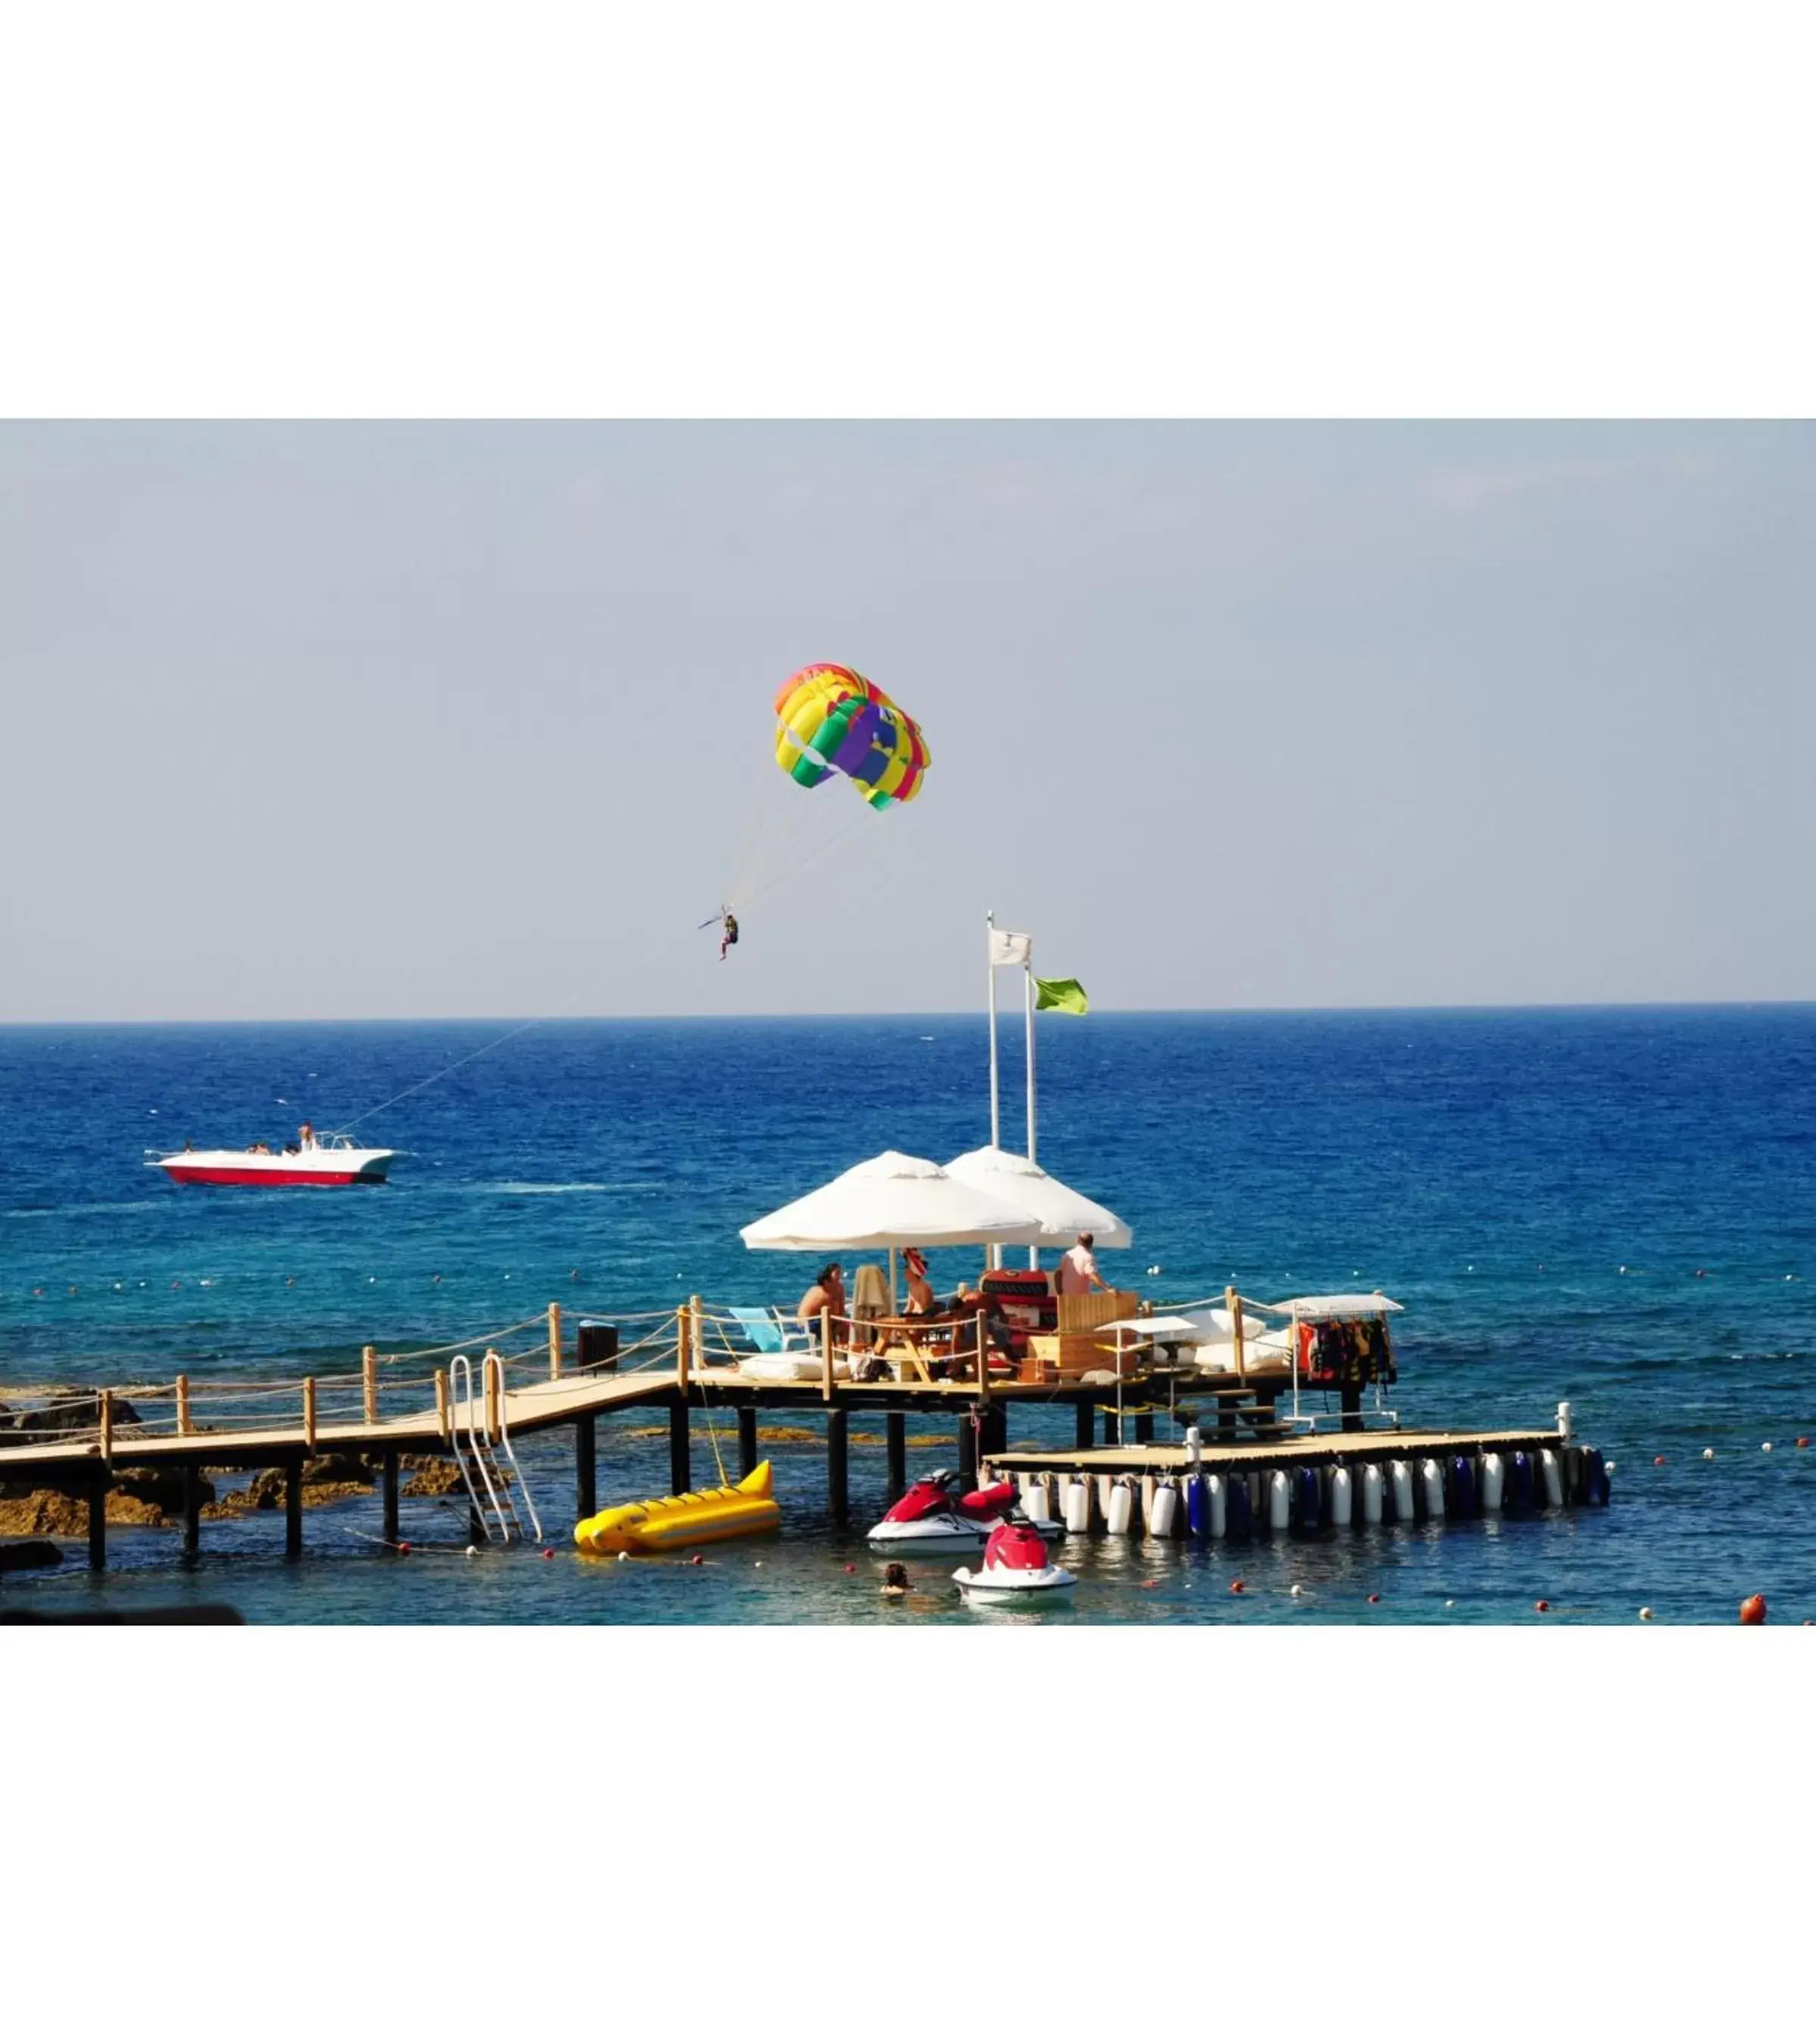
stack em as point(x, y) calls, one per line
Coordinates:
point(830, 720)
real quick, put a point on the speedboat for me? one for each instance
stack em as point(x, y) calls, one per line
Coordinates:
point(1015, 1569)
point(327, 1160)
point(927, 1519)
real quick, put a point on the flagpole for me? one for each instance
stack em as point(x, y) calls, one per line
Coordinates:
point(996, 1110)
point(1028, 1014)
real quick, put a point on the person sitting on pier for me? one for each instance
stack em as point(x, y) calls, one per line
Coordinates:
point(1078, 1270)
point(825, 1294)
point(922, 1304)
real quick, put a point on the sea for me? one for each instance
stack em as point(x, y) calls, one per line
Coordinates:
point(1612, 1206)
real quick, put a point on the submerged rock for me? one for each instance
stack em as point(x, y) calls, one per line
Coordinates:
point(29, 1554)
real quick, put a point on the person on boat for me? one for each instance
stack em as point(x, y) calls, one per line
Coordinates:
point(306, 1136)
point(825, 1294)
point(1078, 1270)
point(728, 933)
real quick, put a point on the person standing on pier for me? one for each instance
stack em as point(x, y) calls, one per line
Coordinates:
point(1078, 1271)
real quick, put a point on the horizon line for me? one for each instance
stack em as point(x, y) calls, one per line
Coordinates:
point(907, 1015)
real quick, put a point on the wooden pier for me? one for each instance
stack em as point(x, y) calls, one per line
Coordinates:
point(385, 1413)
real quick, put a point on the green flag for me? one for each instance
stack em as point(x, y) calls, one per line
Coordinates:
point(1066, 994)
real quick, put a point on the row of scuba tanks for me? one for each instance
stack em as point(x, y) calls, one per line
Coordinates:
point(1223, 1504)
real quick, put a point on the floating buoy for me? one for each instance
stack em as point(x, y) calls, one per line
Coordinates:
point(471, 1552)
point(1541, 1604)
point(1236, 1586)
point(1431, 1478)
point(1374, 1596)
point(1494, 1482)
point(1298, 1589)
point(1765, 1447)
point(1449, 1603)
point(623, 1554)
point(1077, 1512)
point(1658, 1462)
point(1552, 1471)
point(698, 1560)
point(1609, 1466)
point(1280, 1502)
point(757, 1564)
point(1342, 1497)
point(1803, 1440)
point(1708, 1454)
point(1753, 1610)
point(1153, 1583)
point(850, 1567)
point(403, 1546)
point(1645, 1611)
point(548, 1554)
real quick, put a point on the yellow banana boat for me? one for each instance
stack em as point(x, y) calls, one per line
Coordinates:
point(660, 1523)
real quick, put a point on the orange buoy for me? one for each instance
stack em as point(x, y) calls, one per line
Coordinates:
point(851, 1567)
point(1542, 1605)
point(1753, 1610)
point(1236, 1586)
point(1658, 1462)
point(1374, 1596)
point(403, 1546)
point(1803, 1440)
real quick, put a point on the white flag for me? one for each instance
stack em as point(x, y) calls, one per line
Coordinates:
point(1010, 948)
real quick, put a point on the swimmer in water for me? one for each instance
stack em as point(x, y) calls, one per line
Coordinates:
point(895, 1581)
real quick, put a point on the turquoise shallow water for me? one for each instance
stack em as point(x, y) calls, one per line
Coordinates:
point(1617, 1207)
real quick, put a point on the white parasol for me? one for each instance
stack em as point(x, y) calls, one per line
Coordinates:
point(1062, 1213)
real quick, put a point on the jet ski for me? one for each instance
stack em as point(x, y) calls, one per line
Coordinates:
point(1015, 1569)
point(929, 1519)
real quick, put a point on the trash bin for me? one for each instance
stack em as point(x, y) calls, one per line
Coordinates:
point(597, 1345)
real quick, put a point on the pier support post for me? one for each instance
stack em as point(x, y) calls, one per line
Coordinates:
point(680, 1451)
point(1144, 1425)
point(993, 1432)
point(98, 1516)
point(191, 1510)
point(585, 1466)
point(1112, 1427)
point(1084, 1419)
point(1351, 1409)
point(895, 1431)
point(746, 1439)
point(838, 1490)
point(390, 1478)
point(293, 1505)
point(968, 1448)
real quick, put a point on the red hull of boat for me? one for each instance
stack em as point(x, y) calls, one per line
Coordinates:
point(227, 1174)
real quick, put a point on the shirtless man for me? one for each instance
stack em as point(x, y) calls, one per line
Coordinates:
point(826, 1294)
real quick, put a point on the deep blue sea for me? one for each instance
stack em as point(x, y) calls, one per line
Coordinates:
point(1615, 1206)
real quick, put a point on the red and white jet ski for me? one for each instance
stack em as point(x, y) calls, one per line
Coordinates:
point(1015, 1569)
point(927, 1519)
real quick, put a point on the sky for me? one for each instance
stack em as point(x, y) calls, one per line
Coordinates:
point(367, 720)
